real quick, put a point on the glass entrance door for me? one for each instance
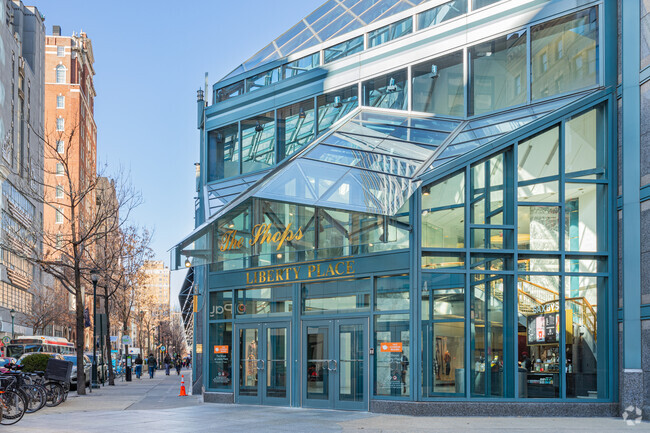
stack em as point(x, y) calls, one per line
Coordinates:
point(262, 360)
point(335, 364)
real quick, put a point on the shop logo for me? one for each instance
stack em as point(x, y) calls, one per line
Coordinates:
point(260, 235)
point(632, 415)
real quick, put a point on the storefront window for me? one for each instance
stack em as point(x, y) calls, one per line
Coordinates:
point(223, 153)
point(585, 366)
point(220, 356)
point(443, 334)
point(392, 293)
point(564, 54)
point(498, 77)
point(387, 91)
point(438, 86)
point(539, 336)
point(266, 301)
point(295, 127)
point(335, 297)
point(336, 105)
point(258, 142)
point(391, 360)
point(220, 305)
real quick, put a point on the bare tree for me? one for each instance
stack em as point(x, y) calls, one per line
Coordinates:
point(49, 306)
point(65, 248)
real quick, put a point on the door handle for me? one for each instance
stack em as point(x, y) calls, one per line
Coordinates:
point(335, 365)
point(258, 364)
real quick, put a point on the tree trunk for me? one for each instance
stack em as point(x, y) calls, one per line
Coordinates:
point(81, 380)
point(109, 358)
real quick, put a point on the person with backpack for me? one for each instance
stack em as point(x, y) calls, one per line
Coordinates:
point(168, 362)
point(138, 366)
point(152, 364)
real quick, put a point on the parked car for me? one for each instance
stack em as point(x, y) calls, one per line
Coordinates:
point(87, 370)
point(102, 367)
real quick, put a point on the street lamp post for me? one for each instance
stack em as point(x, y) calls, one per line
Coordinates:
point(94, 276)
point(13, 315)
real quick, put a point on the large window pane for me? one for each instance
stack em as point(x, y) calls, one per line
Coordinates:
point(300, 66)
point(262, 79)
point(539, 155)
point(392, 376)
point(295, 126)
point(487, 192)
point(390, 32)
point(438, 86)
point(387, 91)
point(585, 142)
point(220, 305)
point(223, 153)
point(584, 356)
point(230, 91)
point(443, 296)
point(498, 73)
point(478, 4)
point(443, 351)
point(266, 301)
point(336, 105)
point(585, 217)
point(392, 293)
point(565, 54)
point(258, 142)
point(443, 228)
point(338, 296)
point(220, 356)
point(538, 228)
point(442, 13)
point(539, 321)
point(343, 49)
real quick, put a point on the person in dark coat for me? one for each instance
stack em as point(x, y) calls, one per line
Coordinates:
point(168, 363)
point(152, 364)
point(138, 366)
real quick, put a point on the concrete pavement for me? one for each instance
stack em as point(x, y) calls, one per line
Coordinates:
point(154, 405)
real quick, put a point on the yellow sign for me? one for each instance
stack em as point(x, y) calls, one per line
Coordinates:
point(261, 234)
point(295, 273)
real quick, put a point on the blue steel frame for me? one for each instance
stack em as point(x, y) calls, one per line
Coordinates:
point(630, 315)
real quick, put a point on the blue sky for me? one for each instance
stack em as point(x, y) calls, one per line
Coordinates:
point(150, 58)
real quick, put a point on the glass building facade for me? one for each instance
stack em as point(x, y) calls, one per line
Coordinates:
point(417, 203)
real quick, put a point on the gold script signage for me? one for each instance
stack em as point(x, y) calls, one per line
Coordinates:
point(261, 234)
point(301, 272)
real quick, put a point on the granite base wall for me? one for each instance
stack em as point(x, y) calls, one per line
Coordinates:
point(540, 409)
point(218, 397)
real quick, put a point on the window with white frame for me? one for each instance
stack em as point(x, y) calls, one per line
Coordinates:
point(59, 169)
point(60, 74)
point(59, 216)
point(59, 191)
point(59, 240)
point(60, 51)
point(60, 146)
point(60, 101)
point(60, 124)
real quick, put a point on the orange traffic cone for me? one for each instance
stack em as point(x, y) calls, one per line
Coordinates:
point(182, 394)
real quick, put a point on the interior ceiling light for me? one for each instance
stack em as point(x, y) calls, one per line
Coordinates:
point(391, 86)
point(434, 71)
point(337, 102)
point(258, 127)
point(302, 114)
point(188, 264)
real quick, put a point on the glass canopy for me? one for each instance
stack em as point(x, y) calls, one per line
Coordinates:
point(333, 19)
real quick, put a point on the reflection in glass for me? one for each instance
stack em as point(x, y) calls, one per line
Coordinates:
point(223, 153)
point(491, 262)
point(487, 359)
point(387, 91)
point(391, 365)
point(539, 156)
point(392, 293)
point(266, 301)
point(443, 228)
point(338, 296)
point(499, 78)
point(390, 32)
point(258, 142)
point(547, 192)
point(350, 365)
point(300, 66)
point(585, 367)
point(538, 264)
point(443, 296)
point(220, 363)
point(230, 91)
point(248, 361)
point(442, 13)
point(564, 54)
point(295, 127)
point(478, 4)
point(343, 49)
point(220, 305)
point(277, 352)
point(317, 361)
point(487, 191)
point(442, 261)
point(443, 349)
point(438, 86)
point(584, 142)
point(336, 105)
point(262, 79)
point(538, 228)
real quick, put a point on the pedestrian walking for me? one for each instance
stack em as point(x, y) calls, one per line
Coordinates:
point(179, 363)
point(138, 366)
point(151, 363)
point(168, 362)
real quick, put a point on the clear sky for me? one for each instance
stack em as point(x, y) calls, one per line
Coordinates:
point(150, 59)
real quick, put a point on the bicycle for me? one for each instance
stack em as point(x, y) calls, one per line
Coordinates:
point(12, 402)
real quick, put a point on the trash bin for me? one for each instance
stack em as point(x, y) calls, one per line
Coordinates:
point(460, 380)
point(522, 378)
